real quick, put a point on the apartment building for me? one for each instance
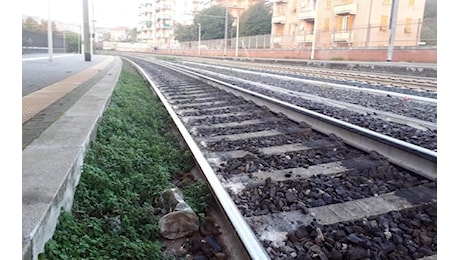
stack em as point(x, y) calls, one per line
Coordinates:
point(345, 23)
point(158, 17)
point(236, 7)
point(145, 28)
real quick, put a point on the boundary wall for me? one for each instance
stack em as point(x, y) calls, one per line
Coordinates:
point(400, 54)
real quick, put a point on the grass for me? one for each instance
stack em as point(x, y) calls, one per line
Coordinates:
point(133, 159)
point(336, 58)
point(168, 58)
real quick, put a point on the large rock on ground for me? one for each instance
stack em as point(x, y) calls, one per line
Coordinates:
point(179, 224)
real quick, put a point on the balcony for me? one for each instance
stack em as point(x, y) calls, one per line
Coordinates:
point(280, 18)
point(304, 38)
point(165, 26)
point(279, 1)
point(307, 15)
point(346, 9)
point(342, 37)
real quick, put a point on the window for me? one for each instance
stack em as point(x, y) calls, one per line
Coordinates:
point(411, 3)
point(279, 30)
point(340, 23)
point(408, 26)
point(344, 23)
point(328, 3)
point(293, 27)
point(384, 23)
point(386, 2)
point(326, 25)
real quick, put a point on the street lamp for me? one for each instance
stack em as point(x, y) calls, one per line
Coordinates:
point(226, 26)
point(237, 26)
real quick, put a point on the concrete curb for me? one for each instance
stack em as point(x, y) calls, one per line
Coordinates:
point(51, 164)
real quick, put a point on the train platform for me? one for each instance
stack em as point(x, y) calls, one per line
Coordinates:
point(62, 103)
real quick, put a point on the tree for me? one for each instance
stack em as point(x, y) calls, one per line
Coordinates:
point(133, 34)
point(185, 33)
point(30, 25)
point(428, 33)
point(256, 20)
point(72, 41)
point(212, 22)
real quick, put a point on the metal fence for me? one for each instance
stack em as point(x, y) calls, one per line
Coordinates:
point(37, 42)
point(409, 35)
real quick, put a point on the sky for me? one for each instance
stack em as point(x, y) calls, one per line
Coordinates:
point(107, 13)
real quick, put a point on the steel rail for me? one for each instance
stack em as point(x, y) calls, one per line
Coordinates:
point(247, 236)
point(406, 155)
point(328, 84)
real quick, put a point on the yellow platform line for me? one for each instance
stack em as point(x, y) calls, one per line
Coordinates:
point(39, 100)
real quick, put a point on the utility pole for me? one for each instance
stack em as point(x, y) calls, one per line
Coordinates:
point(86, 33)
point(393, 18)
point(50, 33)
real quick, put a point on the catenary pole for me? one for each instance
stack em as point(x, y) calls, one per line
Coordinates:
point(226, 29)
point(86, 34)
point(199, 39)
point(50, 34)
point(237, 34)
point(315, 28)
point(393, 18)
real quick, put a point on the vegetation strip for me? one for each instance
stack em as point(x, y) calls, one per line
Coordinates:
point(134, 158)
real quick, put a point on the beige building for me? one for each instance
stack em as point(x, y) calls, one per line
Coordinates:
point(236, 7)
point(344, 23)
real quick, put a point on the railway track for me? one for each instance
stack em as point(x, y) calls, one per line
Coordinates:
point(402, 114)
point(409, 82)
point(296, 184)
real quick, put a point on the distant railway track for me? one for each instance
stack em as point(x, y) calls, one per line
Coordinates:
point(411, 82)
point(296, 184)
